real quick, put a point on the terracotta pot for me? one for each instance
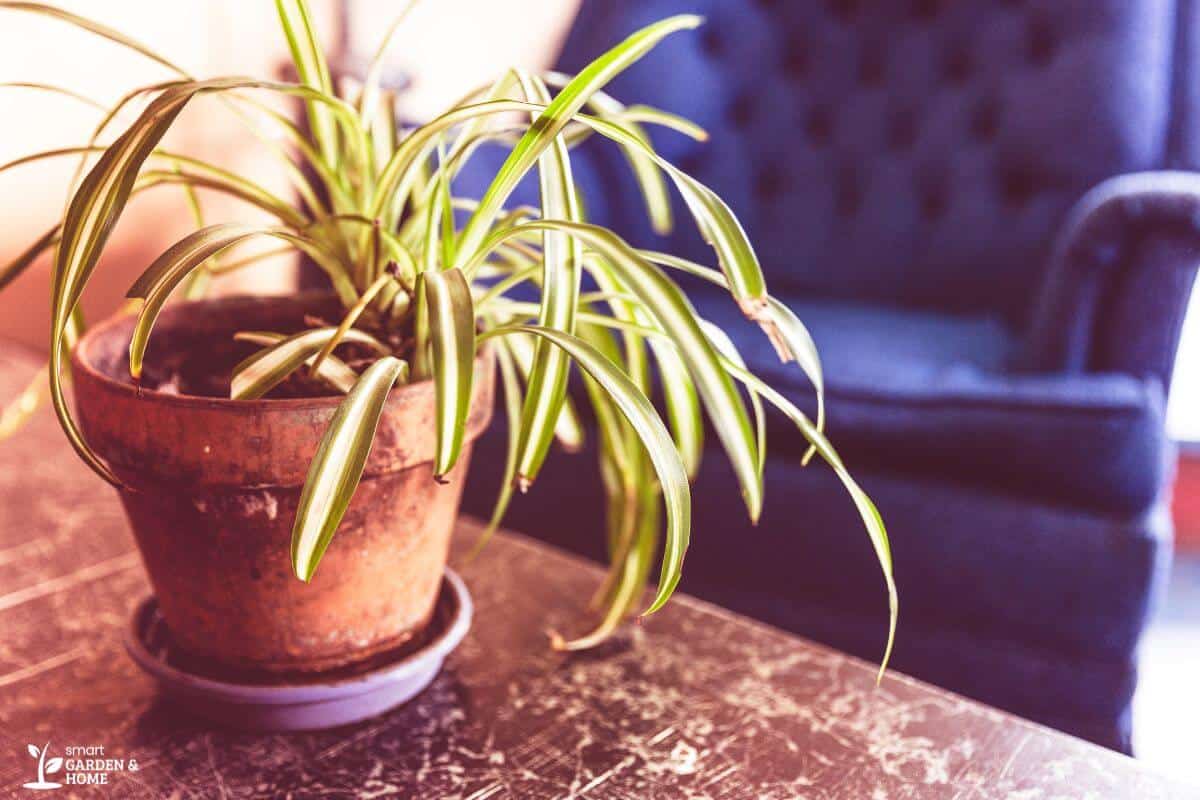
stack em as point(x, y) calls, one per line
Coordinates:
point(212, 491)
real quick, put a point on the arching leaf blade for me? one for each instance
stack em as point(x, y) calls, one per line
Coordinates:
point(677, 318)
point(338, 465)
point(452, 344)
point(261, 372)
point(655, 437)
point(557, 114)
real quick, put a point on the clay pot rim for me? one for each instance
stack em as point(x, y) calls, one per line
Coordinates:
point(82, 360)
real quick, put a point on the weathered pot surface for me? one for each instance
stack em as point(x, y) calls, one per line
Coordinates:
point(212, 486)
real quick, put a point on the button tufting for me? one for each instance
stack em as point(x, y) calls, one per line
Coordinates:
point(871, 65)
point(957, 65)
point(795, 60)
point(769, 183)
point(1017, 186)
point(843, 10)
point(985, 121)
point(819, 124)
point(1042, 43)
point(848, 196)
point(711, 40)
point(925, 9)
point(741, 110)
point(933, 199)
point(901, 130)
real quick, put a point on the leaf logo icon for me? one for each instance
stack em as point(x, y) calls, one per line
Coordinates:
point(44, 767)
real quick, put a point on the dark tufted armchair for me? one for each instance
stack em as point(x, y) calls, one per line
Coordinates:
point(931, 185)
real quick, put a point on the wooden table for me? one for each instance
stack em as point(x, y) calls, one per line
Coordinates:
point(697, 703)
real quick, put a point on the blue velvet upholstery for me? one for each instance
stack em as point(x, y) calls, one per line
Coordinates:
point(969, 203)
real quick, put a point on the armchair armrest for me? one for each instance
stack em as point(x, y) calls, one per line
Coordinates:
point(1119, 278)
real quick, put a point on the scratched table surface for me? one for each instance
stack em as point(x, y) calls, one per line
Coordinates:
point(698, 703)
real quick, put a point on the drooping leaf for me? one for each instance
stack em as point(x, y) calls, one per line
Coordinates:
point(338, 465)
point(654, 435)
point(569, 428)
point(794, 342)
point(261, 372)
point(171, 268)
point(332, 370)
point(511, 386)
point(676, 316)
point(557, 114)
point(562, 269)
point(452, 342)
point(634, 568)
point(729, 351)
point(98, 204)
point(715, 220)
point(872, 520)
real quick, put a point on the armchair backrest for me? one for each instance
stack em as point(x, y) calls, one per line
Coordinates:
point(915, 152)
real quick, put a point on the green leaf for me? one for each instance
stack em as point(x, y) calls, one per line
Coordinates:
point(866, 508)
point(562, 268)
point(715, 220)
point(546, 128)
point(452, 341)
point(374, 74)
point(338, 465)
point(263, 371)
point(312, 70)
point(171, 268)
point(788, 334)
point(511, 385)
point(654, 436)
point(351, 316)
point(200, 174)
point(332, 370)
point(677, 317)
point(568, 429)
point(646, 173)
point(729, 350)
point(633, 570)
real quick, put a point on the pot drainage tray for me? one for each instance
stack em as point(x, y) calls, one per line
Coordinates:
point(306, 702)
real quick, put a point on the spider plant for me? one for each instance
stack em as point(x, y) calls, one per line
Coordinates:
point(426, 279)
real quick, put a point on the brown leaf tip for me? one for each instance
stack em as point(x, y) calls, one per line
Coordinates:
point(755, 308)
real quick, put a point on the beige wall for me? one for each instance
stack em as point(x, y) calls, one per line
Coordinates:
point(205, 38)
point(447, 46)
